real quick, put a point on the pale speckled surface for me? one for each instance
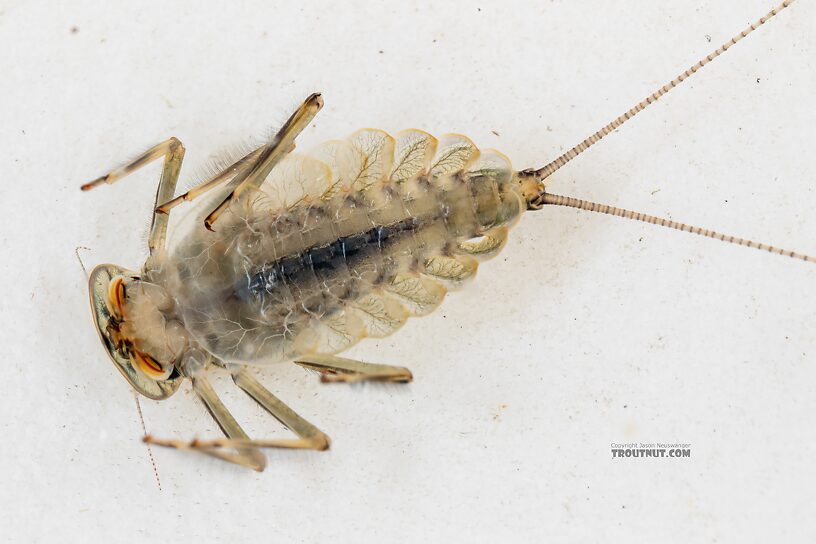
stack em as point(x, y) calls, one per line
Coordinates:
point(589, 329)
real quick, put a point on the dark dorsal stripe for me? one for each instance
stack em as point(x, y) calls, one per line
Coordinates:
point(271, 274)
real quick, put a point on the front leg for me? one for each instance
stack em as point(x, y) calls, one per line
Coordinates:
point(173, 153)
point(234, 450)
point(238, 448)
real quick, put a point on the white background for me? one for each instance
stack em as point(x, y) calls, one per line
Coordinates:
point(587, 330)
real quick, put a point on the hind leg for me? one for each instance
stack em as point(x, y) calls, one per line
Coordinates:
point(337, 369)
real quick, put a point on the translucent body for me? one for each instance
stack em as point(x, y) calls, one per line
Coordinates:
point(344, 243)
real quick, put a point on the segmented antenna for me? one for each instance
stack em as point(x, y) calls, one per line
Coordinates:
point(558, 200)
point(144, 433)
point(135, 394)
point(545, 172)
point(76, 252)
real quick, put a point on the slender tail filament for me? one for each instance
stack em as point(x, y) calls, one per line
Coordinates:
point(546, 171)
point(558, 200)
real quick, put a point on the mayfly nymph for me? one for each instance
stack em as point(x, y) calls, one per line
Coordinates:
point(291, 257)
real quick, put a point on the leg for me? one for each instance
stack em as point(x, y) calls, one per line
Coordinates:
point(229, 173)
point(238, 448)
point(337, 369)
point(246, 455)
point(311, 435)
point(173, 152)
point(270, 155)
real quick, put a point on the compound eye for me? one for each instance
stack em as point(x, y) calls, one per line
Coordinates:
point(149, 366)
point(116, 297)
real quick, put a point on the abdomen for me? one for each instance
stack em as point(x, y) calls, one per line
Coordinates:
point(345, 243)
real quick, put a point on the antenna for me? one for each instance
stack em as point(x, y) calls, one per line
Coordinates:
point(546, 171)
point(569, 202)
point(144, 431)
point(135, 394)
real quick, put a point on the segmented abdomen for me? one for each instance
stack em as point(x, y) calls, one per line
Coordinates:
point(345, 243)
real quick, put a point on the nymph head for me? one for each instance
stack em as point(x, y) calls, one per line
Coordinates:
point(135, 322)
